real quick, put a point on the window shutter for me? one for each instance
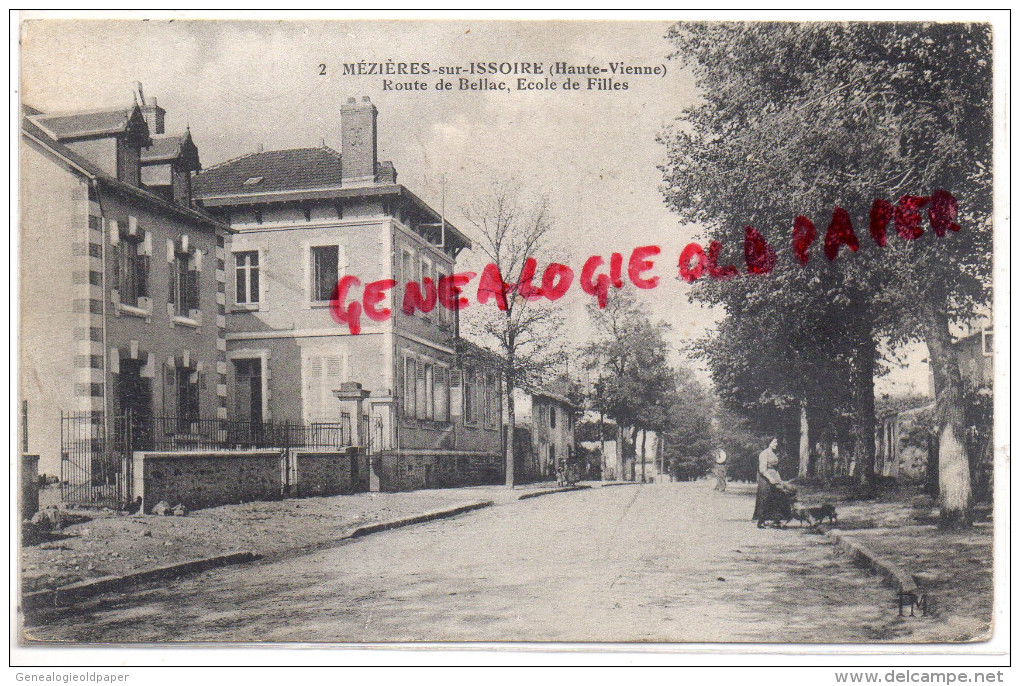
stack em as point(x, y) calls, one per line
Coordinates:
point(420, 396)
point(313, 382)
point(442, 394)
point(193, 289)
point(409, 386)
point(325, 374)
point(142, 276)
point(456, 394)
point(116, 267)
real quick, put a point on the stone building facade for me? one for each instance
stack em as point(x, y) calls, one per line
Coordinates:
point(302, 220)
point(122, 283)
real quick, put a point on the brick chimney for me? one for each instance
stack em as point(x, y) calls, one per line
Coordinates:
point(358, 140)
point(153, 113)
point(154, 117)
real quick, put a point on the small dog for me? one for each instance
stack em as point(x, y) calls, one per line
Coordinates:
point(823, 512)
point(801, 515)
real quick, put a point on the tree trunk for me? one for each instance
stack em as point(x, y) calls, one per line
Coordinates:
point(824, 468)
point(805, 445)
point(644, 440)
point(632, 453)
point(511, 415)
point(864, 414)
point(620, 460)
point(953, 465)
point(602, 442)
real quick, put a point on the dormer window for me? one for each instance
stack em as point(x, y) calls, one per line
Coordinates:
point(254, 180)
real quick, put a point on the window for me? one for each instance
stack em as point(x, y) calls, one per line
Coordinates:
point(410, 386)
point(132, 270)
point(325, 271)
point(407, 267)
point(420, 394)
point(426, 272)
point(323, 374)
point(987, 343)
point(248, 389)
point(247, 277)
point(184, 285)
point(491, 400)
point(187, 398)
point(430, 391)
point(470, 400)
point(442, 394)
point(445, 315)
point(552, 416)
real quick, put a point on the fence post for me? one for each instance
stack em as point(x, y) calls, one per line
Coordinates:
point(286, 457)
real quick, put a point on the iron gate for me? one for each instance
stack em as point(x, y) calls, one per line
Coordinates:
point(95, 464)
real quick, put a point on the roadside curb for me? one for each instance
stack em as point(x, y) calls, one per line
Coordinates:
point(67, 595)
point(610, 484)
point(895, 576)
point(565, 489)
point(417, 519)
point(84, 589)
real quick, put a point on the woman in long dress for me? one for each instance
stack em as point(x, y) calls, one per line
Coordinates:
point(768, 478)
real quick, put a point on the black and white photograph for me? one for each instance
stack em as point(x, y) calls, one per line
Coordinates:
point(663, 332)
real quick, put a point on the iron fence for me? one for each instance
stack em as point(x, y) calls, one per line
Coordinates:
point(96, 464)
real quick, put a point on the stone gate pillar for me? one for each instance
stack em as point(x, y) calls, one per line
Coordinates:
point(352, 398)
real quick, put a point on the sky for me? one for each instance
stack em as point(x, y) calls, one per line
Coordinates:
point(241, 85)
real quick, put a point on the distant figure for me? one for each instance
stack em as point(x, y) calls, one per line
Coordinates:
point(720, 470)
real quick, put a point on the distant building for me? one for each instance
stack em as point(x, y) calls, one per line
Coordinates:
point(974, 356)
point(303, 219)
point(903, 441)
point(544, 431)
point(122, 279)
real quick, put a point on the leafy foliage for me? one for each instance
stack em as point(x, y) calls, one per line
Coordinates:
point(795, 120)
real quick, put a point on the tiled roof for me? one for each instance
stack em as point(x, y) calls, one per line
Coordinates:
point(163, 148)
point(62, 126)
point(42, 137)
point(276, 170)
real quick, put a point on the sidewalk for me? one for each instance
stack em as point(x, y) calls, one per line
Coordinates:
point(112, 544)
point(953, 568)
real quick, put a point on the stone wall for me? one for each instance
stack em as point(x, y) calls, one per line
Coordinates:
point(29, 485)
point(329, 473)
point(409, 471)
point(207, 479)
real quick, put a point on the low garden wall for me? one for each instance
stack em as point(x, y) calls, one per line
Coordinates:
point(319, 472)
point(411, 470)
point(206, 479)
point(199, 479)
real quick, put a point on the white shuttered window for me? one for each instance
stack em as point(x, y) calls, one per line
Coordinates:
point(323, 374)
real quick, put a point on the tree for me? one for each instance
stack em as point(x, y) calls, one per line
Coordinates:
point(687, 432)
point(636, 382)
point(511, 231)
point(797, 119)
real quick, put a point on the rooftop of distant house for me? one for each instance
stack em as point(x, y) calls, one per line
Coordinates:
point(298, 174)
point(52, 131)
